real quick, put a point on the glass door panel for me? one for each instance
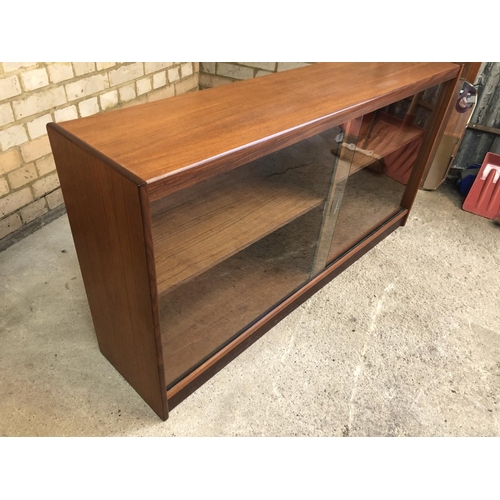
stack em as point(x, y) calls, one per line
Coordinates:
point(228, 249)
point(387, 148)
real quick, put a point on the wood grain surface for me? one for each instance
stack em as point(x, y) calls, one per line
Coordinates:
point(208, 225)
point(182, 140)
point(200, 316)
point(199, 247)
point(196, 228)
point(380, 139)
point(104, 212)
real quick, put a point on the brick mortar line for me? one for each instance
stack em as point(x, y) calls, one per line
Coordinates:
point(28, 184)
point(45, 65)
point(256, 68)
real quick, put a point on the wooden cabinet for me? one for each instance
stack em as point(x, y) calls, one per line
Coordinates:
point(202, 220)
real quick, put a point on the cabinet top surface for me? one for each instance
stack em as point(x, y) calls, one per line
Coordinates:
point(157, 140)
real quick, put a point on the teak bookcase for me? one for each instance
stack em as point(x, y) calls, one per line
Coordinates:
point(202, 220)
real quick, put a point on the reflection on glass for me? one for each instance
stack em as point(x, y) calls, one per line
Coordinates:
point(229, 248)
point(388, 144)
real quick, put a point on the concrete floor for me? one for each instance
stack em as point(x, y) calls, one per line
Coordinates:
point(406, 342)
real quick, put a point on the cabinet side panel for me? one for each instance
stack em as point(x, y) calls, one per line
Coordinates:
point(104, 212)
point(434, 134)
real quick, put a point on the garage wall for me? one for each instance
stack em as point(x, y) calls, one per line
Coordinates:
point(476, 143)
point(33, 94)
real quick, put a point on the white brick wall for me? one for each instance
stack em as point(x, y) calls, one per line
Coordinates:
point(173, 75)
point(151, 67)
point(109, 100)
point(208, 67)
point(34, 210)
point(9, 225)
point(22, 176)
point(39, 102)
point(45, 185)
point(86, 86)
point(88, 107)
point(54, 199)
point(4, 186)
point(159, 79)
point(234, 71)
point(268, 66)
point(83, 68)
point(6, 114)
point(37, 127)
point(59, 72)
point(15, 200)
point(9, 161)
point(143, 86)
point(13, 66)
point(33, 94)
point(65, 114)
point(104, 65)
point(45, 165)
point(186, 69)
point(12, 136)
point(35, 149)
point(127, 93)
point(126, 73)
point(35, 79)
point(9, 87)
point(283, 66)
point(214, 74)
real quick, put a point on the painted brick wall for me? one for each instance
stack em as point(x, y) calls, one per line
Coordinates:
point(214, 74)
point(33, 94)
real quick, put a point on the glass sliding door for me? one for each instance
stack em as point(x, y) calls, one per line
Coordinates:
point(230, 248)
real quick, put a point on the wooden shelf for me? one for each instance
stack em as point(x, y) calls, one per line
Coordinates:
point(198, 317)
point(387, 135)
point(195, 229)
